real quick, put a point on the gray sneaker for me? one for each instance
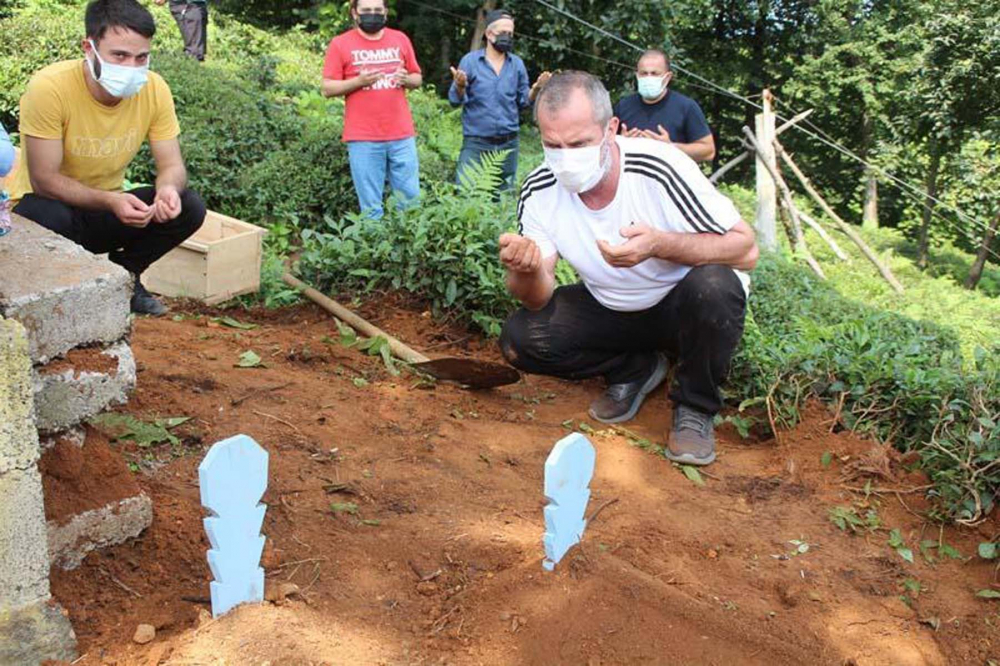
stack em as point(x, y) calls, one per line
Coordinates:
point(692, 438)
point(621, 402)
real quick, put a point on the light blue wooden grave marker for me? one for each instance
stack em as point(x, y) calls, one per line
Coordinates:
point(233, 478)
point(568, 472)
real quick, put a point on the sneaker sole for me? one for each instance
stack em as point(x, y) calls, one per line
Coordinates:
point(688, 459)
point(659, 374)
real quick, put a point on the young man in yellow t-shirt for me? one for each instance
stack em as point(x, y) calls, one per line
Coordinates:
point(82, 123)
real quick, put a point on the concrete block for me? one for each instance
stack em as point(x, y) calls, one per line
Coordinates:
point(110, 525)
point(18, 439)
point(34, 634)
point(66, 396)
point(65, 296)
point(73, 437)
point(24, 561)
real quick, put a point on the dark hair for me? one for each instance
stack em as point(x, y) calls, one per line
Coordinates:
point(655, 52)
point(102, 15)
point(354, 5)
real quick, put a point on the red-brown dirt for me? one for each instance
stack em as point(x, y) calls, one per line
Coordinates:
point(669, 572)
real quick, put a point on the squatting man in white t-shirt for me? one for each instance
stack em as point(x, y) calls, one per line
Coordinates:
point(662, 257)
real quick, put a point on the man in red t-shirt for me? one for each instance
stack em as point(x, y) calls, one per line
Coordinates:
point(372, 66)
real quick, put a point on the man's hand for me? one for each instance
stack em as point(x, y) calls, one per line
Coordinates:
point(641, 245)
point(631, 133)
point(520, 254)
point(542, 79)
point(167, 204)
point(661, 135)
point(367, 77)
point(131, 210)
point(461, 78)
point(400, 77)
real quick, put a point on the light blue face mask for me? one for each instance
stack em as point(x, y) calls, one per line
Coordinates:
point(118, 80)
point(651, 87)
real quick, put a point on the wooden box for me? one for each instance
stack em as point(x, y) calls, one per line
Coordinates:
point(222, 260)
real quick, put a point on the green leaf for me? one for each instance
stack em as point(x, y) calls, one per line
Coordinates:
point(250, 359)
point(360, 382)
point(906, 554)
point(827, 459)
point(988, 594)
point(693, 475)
point(344, 507)
point(989, 551)
point(233, 323)
point(371, 522)
point(348, 336)
point(585, 427)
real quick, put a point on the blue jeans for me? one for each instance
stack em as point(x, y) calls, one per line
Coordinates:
point(372, 160)
point(474, 147)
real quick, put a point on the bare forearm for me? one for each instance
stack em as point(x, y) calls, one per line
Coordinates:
point(175, 176)
point(699, 152)
point(335, 88)
point(534, 290)
point(731, 249)
point(413, 81)
point(71, 192)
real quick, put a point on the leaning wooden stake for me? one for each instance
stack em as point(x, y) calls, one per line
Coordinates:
point(843, 226)
point(822, 233)
point(788, 207)
point(743, 157)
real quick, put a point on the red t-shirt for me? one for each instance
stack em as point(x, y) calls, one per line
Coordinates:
point(379, 112)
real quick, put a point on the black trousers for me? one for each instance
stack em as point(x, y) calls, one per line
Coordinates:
point(192, 19)
point(698, 325)
point(101, 232)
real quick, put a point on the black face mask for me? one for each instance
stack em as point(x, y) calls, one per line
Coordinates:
point(504, 42)
point(371, 23)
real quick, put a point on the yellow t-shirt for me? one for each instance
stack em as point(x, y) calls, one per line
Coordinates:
point(99, 141)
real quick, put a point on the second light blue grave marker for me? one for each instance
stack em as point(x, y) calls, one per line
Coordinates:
point(568, 472)
point(233, 478)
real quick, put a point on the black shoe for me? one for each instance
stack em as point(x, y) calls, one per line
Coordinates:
point(621, 402)
point(144, 303)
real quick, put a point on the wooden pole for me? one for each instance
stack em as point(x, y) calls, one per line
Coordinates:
point(767, 200)
point(354, 321)
point(822, 233)
point(795, 236)
point(976, 272)
point(843, 226)
point(742, 157)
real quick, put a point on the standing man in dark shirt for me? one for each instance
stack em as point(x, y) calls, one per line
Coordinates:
point(192, 19)
point(656, 112)
point(491, 86)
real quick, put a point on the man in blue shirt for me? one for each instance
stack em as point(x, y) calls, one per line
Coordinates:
point(491, 85)
point(656, 112)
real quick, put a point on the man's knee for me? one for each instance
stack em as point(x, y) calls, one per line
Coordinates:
point(193, 211)
point(514, 339)
point(716, 294)
point(49, 213)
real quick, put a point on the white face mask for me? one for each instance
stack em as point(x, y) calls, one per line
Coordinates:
point(579, 170)
point(651, 87)
point(118, 80)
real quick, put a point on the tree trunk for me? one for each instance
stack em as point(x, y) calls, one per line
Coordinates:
point(477, 36)
point(976, 272)
point(870, 218)
point(931, 187)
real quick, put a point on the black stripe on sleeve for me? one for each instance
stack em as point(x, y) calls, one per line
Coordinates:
point(685, 190)
point(668, 186)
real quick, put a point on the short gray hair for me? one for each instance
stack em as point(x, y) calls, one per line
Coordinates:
point(555, 95)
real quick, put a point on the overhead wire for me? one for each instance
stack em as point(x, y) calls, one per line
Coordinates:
point(910, 190)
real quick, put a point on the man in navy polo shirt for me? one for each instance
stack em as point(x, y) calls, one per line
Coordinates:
point(656, 112)
point(491, 86)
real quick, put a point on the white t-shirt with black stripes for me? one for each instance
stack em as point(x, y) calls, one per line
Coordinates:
point(661, 187)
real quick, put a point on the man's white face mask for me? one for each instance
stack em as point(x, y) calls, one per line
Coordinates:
point(118, 80)
point(579, 170)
